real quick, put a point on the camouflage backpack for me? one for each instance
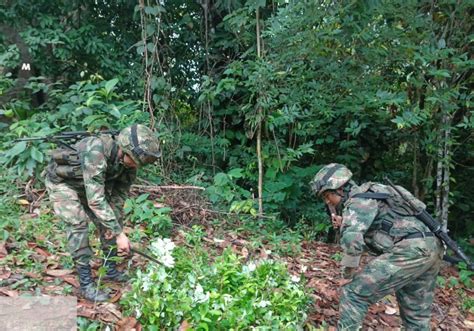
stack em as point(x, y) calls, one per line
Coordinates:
point(399, 204)
point(66, 162)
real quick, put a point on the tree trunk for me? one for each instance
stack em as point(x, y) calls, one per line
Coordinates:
point(259, 131)
point(414, 183)
point(25, 65)
point(443, 172)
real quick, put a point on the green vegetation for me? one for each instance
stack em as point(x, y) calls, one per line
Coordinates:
point(142, 211)
point(219, 295)
point(382, 86)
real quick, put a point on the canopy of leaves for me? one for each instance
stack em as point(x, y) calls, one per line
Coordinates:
point(378, 85)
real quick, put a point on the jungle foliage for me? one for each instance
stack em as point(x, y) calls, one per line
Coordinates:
point(232, 85)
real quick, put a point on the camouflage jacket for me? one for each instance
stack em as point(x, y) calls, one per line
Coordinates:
point(99, 178)
point(362, 221)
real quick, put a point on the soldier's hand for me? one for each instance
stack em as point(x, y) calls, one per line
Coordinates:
point(336, 220)
point(123, 245)
point(348, 272)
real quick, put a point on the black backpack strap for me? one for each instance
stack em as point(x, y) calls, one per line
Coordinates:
point(372, 195)
point(114, 153)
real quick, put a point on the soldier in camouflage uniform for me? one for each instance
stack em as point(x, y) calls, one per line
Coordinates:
point(90, 181)
point(408, 254)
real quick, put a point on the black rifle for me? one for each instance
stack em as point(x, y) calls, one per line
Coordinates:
point(434, 227)
point(68, 136)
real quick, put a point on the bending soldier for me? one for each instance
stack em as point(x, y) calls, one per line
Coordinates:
point(91, 182)
point(408, 254)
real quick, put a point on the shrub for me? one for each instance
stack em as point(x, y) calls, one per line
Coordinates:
point(221, 295)
point(157, 221)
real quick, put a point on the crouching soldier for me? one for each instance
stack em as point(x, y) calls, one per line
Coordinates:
point(375, 219)
point(90, 182)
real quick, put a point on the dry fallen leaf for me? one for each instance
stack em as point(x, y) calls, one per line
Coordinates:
point(71, 280)
point(32, 275)
point(390, 320)
point(329, 312)
point(377, 308)
point(126, 324)
point(22, 202)
point(157, 204)
point(116, 297)
point(5, 274)
point(184, 326)
point(3, 250)
point(42, 252)
point(109, 313)
point(469, 324)
point(58, 272)
point(390, 310)
point(85, 311)
point(4, 291)
point(453, 311)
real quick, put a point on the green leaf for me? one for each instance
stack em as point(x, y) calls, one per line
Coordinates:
point(152, 10)
point(440, 73)
point(115, 112)
point(142, 198)
point(92, 101)
point(109, 85)
point(91, 119)
point(17, 149)
point(221, 179)
point(236, 173)
point(36, 154)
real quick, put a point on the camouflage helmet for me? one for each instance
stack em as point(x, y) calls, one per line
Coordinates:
point(140, 143)
point(330, 177)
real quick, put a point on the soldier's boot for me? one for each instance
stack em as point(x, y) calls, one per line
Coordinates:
point(112, 273)
point(88, 288)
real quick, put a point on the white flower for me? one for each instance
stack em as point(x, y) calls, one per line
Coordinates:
point(169, 245)
point(246, 269)
point(295, 278)
point(263, 304)
point(304, 268)
point(168, 261)
point(138, 312)
point(199, 296)
point(161, 274)
point(163, 248)
point(146, 284)
point(227, 298)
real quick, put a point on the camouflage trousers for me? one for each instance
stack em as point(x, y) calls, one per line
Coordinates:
point(70, 205)
point(409, 270)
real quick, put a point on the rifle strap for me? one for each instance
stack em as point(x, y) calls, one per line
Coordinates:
point(372, 195)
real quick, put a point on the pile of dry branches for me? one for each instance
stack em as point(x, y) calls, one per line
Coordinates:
point(188, 203)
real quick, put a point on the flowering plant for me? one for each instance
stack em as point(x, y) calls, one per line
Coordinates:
point(221, 294)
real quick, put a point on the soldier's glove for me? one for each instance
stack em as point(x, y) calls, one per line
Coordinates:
point(348, 272)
